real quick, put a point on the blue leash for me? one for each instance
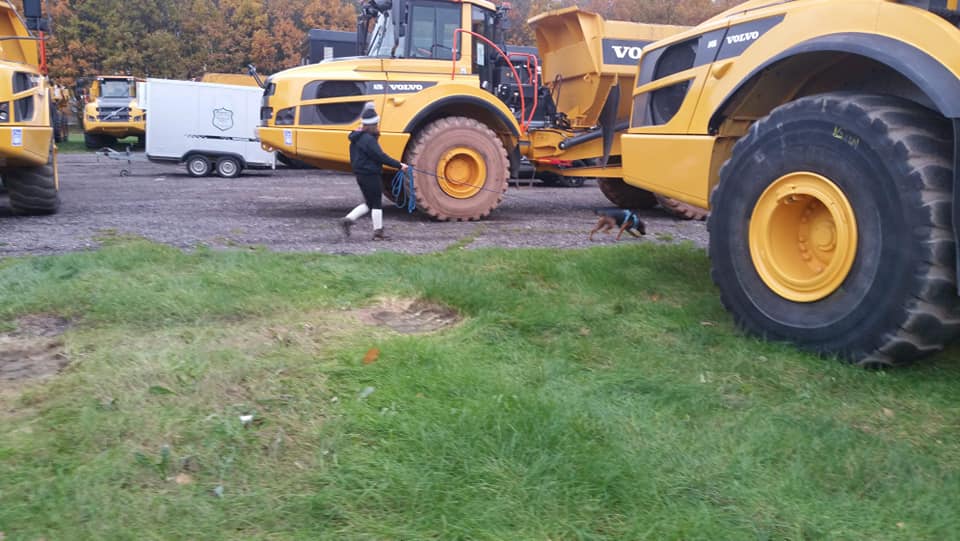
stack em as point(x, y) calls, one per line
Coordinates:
point(403, 191)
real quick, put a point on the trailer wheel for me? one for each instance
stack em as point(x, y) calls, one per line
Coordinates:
point(34, 190)
point(831, 228)
point(679, 209)
point(229, 167)
point(626, 196)
point(462, 169)
point(198, 166)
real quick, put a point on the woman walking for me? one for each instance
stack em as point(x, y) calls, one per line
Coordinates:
point(367, 160)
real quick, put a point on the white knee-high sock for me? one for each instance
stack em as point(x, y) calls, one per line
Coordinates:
point(377, 215)
point(361, 209)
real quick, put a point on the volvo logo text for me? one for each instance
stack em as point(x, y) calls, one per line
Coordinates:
point(406, 87)
point(742, 38)
point(624, 51)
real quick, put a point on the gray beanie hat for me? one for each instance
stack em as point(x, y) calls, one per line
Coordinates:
point(369, 117)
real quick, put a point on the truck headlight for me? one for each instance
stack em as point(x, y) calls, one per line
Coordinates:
point(285, 116)
point(5, 111)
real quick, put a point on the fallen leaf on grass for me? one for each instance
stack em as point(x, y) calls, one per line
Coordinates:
point(899, 525)
point(888, 413)
point(2, 536)
point(183, 479)
point(156, 389)
point(584, 331)
point(655, 297)
point(371, 357)
point(708, 324)
point(218, 491)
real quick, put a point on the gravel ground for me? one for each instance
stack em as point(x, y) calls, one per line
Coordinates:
point(294, 210)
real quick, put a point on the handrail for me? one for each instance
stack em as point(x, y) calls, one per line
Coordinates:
point(533, 76)
point(524, 124)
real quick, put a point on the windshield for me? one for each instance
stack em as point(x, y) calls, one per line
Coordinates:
point(381, 40)
point(115, 89)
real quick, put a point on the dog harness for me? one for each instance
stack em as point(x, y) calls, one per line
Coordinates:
point(628, 217)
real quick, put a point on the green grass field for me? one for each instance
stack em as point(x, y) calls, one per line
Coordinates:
point(593, 394)
point(74, 143)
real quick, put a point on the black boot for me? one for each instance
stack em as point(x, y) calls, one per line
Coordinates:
point(345, 225)
point(378, 234)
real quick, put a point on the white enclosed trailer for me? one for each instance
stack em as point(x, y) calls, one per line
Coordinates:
point(210, 127)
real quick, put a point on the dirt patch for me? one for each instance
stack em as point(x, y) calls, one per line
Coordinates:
point(34, 350)
point(409, 316)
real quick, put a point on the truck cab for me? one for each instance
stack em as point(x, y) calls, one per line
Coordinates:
point(112, 111)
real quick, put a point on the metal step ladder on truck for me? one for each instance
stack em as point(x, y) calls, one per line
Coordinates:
point(28, 164)
point(450, 103)
point(825, 137)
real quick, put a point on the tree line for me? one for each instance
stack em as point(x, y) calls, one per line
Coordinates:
point(183, 39)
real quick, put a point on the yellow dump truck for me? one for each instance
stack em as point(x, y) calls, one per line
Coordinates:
point(825, 137)
point(454, 104)
point(112, 112)
point(27, 154)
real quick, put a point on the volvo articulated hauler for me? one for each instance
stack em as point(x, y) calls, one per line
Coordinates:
point(113, 112)
point(455, 105)
point(27, 154)
point(825, 137)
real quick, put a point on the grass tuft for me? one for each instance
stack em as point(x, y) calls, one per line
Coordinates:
point(589, 394)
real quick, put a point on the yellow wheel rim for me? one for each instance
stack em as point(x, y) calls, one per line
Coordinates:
point(461, 173)
point(803, 237)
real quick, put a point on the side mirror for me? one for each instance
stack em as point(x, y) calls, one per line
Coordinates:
point(33, 16)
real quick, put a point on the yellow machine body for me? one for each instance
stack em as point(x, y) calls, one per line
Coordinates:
point(765, 54)
point(26, 136)
point(824, 135)
point(239, 79)
point(112, 108)
point(308, 111)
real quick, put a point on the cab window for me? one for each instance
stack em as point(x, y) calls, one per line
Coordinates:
point(431, 30)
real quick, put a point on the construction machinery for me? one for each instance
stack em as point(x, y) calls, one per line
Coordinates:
point(825, 137)
point(459, 108)
point(112, 111)
point(27, 154)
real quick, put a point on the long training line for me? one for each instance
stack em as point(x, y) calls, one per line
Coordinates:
point(461, 183)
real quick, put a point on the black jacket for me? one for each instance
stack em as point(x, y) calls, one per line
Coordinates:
point(366, 156)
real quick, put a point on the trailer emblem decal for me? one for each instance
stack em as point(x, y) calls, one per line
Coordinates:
point(222, 119)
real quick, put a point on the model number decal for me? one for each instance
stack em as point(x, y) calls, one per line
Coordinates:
point(851, 140)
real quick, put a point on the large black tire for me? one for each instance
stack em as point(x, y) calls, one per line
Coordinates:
point(679, 209)
point(626, 196)
point(462, 169)
point(33, 191)
point(97, 141)
point(890, 165)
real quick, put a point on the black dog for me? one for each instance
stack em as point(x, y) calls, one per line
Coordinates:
point(626, 219)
